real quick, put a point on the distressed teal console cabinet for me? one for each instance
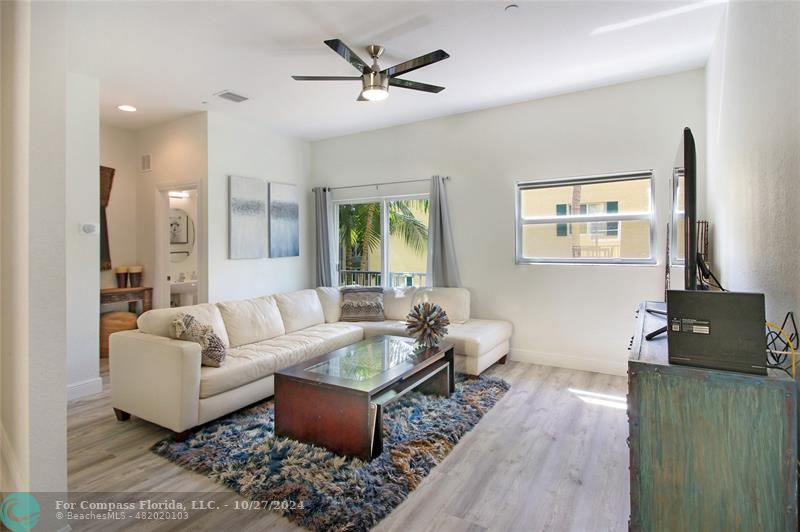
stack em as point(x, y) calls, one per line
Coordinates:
point(710, 450)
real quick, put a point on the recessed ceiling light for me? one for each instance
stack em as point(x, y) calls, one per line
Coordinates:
point(126, 108)
point(511, 8)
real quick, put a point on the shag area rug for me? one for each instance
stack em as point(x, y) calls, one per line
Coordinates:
point(325, 491)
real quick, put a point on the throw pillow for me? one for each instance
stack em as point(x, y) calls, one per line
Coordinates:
point(186, 327)
point(362, 304)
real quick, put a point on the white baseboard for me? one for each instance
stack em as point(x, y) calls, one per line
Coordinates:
point(10, 474)
point(608, 366)
point(84, 388)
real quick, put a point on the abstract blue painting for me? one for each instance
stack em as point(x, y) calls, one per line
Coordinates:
point(247, 223)
point(284, 221)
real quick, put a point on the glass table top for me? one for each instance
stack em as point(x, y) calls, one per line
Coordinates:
point(363, 361)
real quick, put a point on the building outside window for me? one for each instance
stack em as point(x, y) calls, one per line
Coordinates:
point(597, 229)
point(596, 219)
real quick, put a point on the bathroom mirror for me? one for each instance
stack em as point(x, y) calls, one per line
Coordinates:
point(181, 235)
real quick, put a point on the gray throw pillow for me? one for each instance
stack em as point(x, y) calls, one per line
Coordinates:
point(362, 304)
point(186, 327)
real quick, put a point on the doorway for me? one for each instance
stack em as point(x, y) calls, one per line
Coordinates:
point(180, 276)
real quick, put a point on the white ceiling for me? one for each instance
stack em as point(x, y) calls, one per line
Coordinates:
point(167, 59)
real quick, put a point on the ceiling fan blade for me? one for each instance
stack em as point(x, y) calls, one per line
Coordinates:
point(326, 78)
point(349, 55)
point(417, 62)
point(414, 85)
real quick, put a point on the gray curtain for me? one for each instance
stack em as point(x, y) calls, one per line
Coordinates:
point(441, 248)
point(322, 201)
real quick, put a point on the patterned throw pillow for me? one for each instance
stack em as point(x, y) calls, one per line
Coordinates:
point(362, 304)
point(186, 327)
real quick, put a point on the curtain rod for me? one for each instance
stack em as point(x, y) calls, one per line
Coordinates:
point(386, 183)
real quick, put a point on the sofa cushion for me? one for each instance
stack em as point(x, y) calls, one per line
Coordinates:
point(454, 301)
point(362, 304)
point(159, 321)
point(477, 337)
point(186, 327)
point(321, 339)
point(251, 320)
point(300, 309)
point(397, 302)
point(378, 328)
point(251, 362)
point(331, 300)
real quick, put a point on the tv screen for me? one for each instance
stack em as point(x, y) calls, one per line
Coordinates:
point(687, 163)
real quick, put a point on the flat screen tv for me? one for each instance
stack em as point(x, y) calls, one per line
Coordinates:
point(689, 165)
point(686, 163)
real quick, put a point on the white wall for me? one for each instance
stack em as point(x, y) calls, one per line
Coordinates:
point(576, 316)
point(179, 156)
point(118, 150)
point(245, 149)
point(205, 148)
point(14, 134)
point(33, 258)
point(753, 94)
point(82, 250)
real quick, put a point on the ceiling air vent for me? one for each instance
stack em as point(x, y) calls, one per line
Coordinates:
point(231, 96)
point(146, 163)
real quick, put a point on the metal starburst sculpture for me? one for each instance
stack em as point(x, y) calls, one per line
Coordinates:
point(427, 323)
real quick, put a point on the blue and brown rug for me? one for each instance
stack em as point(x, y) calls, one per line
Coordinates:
point(326, 491)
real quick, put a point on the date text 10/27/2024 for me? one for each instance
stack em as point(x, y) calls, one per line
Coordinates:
point(174, 505)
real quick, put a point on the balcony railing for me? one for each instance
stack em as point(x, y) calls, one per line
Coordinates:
point(596, 251)
point(369, 278)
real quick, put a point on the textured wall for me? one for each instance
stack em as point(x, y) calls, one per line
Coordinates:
point(34, 292)
point(15, 64)
point(753, 186)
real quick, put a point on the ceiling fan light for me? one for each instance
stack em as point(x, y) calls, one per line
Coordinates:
point(375, 94)
point(375, 86)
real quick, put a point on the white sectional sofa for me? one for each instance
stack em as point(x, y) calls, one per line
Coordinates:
point(160, 379)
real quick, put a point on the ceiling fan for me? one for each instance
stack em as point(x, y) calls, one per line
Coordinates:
point(375, 82)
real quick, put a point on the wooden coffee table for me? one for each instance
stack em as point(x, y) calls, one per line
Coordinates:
point(337, 400)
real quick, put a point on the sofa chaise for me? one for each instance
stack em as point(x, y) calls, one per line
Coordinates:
point(160, 379)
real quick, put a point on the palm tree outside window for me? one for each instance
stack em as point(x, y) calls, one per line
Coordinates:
point(383, 242)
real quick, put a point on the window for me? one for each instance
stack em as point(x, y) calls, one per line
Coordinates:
point(382, 241)
point(678, 235)
point(599, 229)
point(600, 219)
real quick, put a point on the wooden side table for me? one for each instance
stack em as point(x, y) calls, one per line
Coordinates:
point(131, 296)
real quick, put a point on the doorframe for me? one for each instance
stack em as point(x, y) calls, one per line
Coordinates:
point(161, 292)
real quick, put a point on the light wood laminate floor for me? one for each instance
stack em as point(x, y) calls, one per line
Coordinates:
point(548, 456)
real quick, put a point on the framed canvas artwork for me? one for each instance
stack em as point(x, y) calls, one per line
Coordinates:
point(284, 221)
point(178, 226)
point(248, 223)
